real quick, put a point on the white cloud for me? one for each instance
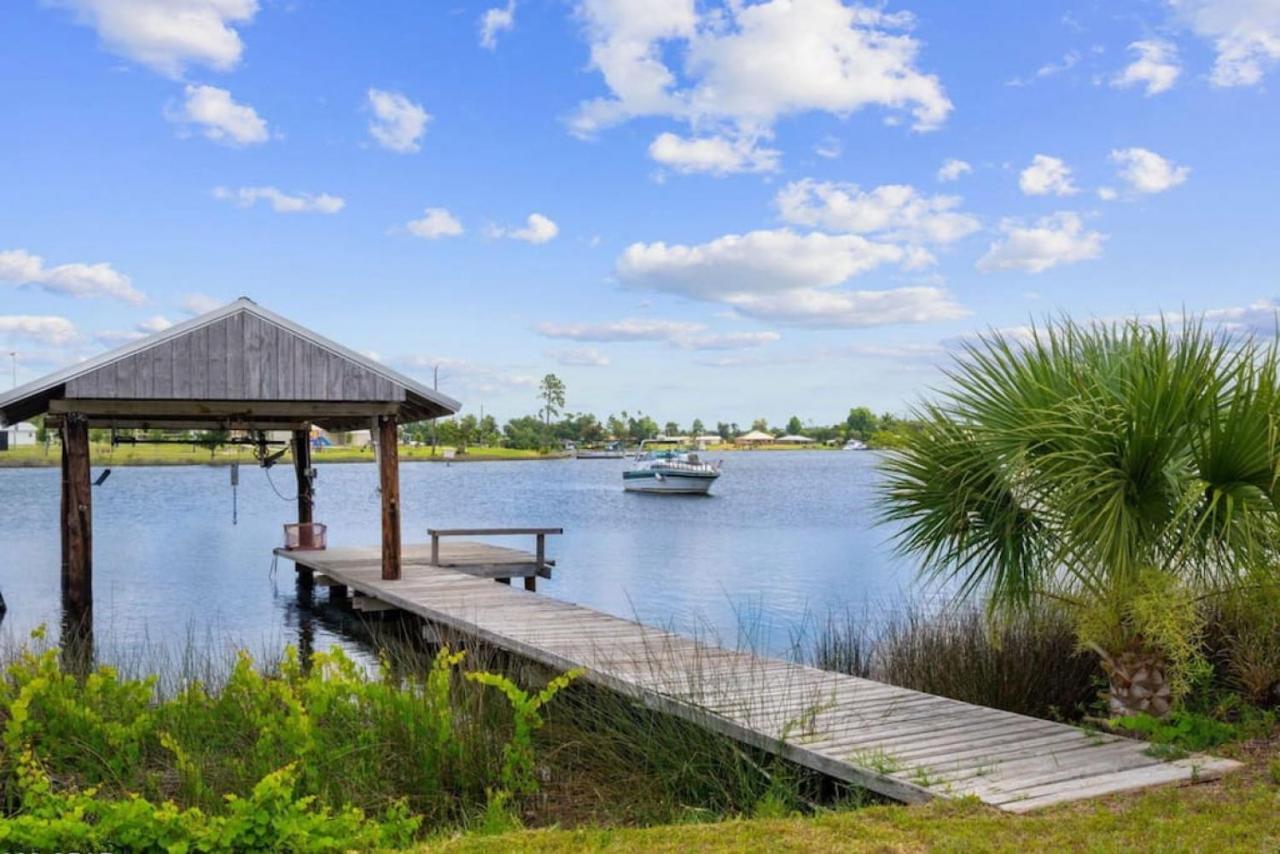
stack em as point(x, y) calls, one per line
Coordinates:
point(759, 261)
point(1069, 61)
point(458, 375)
point(46, 329)
point(280, 201)
point(683, 335)
point(168, 35)
point(1245, 34)
point(537, 229)
point(398, 123)
point(200, 304)
point(892, 211)
point(735, 70)
point(1156, 67)
point(499, 19)
point(1147, 172)
point(783, 276)
point(1052, 240)
point(20, 267)
point(622, 330)
point(1047, 176)
point(823, 308)
point(434, 224)
point(715, 154)
point(1259, 318)
point(829, 147)
point(219, 117)
point(150, 326)
point(952, 169)
point(587, 357)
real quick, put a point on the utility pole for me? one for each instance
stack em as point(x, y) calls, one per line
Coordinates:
point(435, 386)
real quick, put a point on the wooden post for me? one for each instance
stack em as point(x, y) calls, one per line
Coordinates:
point(77, 526)
point(389, 477)
point(302, 471)
point(306, 495)
point(540, 563)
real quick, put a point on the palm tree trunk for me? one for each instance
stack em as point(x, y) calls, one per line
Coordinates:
point(1139, 683)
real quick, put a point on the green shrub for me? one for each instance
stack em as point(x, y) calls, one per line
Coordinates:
point(1180, 729)
point(272, 817)
point(325, 757)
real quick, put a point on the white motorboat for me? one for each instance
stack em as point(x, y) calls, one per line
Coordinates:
point(674, 472)
point(854, 445)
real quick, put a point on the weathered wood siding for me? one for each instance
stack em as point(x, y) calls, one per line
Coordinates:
point(241, 357)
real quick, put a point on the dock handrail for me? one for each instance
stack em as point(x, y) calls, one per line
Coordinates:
point(540, 557)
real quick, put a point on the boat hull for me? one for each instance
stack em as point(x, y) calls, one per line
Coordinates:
point(668, 483)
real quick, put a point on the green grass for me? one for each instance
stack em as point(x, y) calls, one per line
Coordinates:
point(1236, 814)
point(102, 454)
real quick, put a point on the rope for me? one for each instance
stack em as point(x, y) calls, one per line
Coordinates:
point(282, 496)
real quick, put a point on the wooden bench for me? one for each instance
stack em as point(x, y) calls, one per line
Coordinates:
point(540, 534)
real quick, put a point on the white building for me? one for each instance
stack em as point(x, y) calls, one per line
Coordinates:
point(17, 435)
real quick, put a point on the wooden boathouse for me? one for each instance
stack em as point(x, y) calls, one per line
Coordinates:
point(238, 368)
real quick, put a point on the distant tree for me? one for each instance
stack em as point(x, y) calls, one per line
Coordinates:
point(489, 434)
point(642, 428)
point(551, 393)
point(761, 424)
point(212, 439)
point(525, 433)
point(468, 427)
point(728, 432)
point(446, 432)
point(697, 428)
point(671, 428)
point(862, 422)
point(617, 427)
point(794, 426)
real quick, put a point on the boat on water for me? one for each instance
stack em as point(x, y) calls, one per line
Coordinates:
point(670, 471)
point(854, 445)
point(611, 451)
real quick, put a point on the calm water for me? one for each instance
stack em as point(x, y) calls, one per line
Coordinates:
point(787, 535)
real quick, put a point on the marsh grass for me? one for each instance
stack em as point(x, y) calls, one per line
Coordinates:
point(1030, 664)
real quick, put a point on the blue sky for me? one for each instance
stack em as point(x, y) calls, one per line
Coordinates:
point(694, 209)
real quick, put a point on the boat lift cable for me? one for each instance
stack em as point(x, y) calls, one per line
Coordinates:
point(278, 493)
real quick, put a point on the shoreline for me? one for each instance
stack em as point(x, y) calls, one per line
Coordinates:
point(22, 458)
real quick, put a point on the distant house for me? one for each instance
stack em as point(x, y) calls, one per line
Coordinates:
point(796, 439)
point(706, 440)
point(18, 435)
point(755, 437)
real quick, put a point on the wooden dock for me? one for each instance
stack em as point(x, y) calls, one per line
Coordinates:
point(903, 744)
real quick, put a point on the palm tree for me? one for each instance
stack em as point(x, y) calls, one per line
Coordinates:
point(1127, 473)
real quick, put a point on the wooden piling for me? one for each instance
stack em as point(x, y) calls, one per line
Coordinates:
point(77, 525)
point(302, 471)
point(389, 477)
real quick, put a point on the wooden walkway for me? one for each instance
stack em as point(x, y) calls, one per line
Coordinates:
point(903, 744)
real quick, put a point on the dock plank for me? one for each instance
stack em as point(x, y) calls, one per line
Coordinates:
point(830, 722)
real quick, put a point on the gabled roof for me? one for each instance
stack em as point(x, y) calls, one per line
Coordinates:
point(316, 371)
